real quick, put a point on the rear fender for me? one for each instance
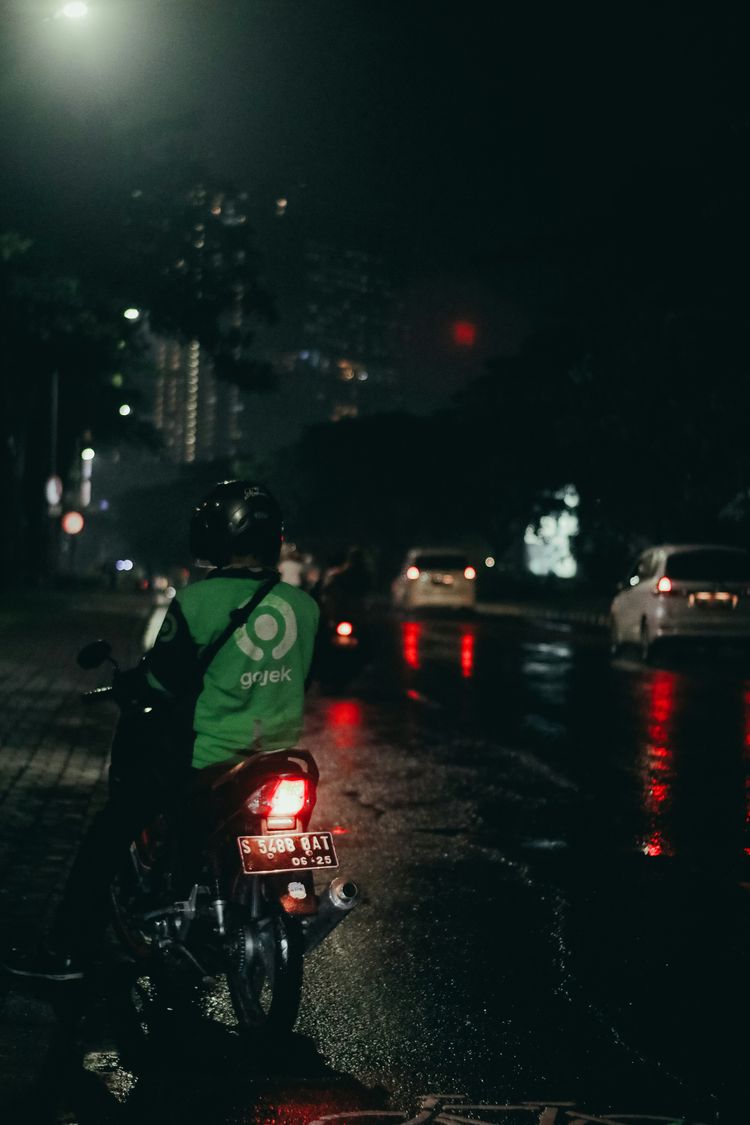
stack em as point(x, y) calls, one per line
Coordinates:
point(223, 793)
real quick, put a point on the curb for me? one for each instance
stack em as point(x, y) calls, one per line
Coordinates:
point(590, 618)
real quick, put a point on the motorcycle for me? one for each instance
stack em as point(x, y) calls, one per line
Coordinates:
point(343, 646)
point(221, 893)
point(342, 652)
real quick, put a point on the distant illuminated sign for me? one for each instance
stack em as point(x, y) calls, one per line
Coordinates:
point(549, 541)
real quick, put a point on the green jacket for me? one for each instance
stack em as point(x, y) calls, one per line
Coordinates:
point(252, 695)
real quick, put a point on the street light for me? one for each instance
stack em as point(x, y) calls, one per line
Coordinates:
point(76, 10)
point(124, 410)
point(132, 314)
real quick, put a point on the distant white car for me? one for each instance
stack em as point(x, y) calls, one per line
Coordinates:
point(683, 590)
point(435, 576)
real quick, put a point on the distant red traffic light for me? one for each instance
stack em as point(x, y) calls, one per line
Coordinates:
point(464, 333)
point(72, 523)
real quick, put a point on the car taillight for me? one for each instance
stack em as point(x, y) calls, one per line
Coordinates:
point(470, 572)
point(345, 628)
point(284, 797)
point(412, 572)
point(664, 585)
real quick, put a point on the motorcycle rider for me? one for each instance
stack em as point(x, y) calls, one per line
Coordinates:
point(344, 589)
point(251, 698)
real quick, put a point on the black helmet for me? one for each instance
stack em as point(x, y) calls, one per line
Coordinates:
point(238, 517)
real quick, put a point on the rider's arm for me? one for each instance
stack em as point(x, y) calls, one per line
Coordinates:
point(170, 667)
point(168, 670)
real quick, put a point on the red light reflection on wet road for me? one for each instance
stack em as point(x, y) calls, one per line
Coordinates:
point(657, 763)
point(467, 655)
point(746, 760)
point(411, 632)
point(344, 718)
point(345, 713)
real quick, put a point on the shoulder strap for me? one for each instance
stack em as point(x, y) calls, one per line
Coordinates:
point(237, 618)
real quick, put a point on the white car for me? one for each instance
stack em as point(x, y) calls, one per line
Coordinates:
point(435, 576)
point(683, 590)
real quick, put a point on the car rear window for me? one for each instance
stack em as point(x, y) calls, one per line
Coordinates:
point(440, 562)
point(710, 566)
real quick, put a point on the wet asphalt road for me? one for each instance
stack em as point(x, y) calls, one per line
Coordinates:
point(552, 851)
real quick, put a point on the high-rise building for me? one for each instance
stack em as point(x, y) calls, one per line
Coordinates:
point(353, 330)
point(337, 347)
point(198, 416)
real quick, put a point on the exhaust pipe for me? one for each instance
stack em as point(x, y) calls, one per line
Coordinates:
point(335, 904)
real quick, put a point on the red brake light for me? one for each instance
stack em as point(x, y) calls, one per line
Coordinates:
point(286, 797)
point(664, 585)
point(412, 572)
point(345, 628)
point(289, 797)
point(470, 572)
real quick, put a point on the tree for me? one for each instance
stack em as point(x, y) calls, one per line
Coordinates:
point(50, 329)
point(177, 248)
point(377, 481)
point(190, 259)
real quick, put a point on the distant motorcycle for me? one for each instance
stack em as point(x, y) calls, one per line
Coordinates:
point(343, 644)
point(343, 649)
point(221, 891)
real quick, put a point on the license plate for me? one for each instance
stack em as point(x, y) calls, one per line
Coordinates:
point(298, 851)
point(708, 599)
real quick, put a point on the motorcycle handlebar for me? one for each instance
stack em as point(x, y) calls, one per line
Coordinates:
point(96, 694)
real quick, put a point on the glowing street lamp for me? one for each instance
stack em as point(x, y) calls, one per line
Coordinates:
point(75, 10)
point(125, 410)
point(87, 454)
point(132, 314)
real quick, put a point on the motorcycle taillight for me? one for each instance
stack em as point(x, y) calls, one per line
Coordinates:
point(285, 797)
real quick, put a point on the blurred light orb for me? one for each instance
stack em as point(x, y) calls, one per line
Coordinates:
point(489, 561)
point(87, 454)
point(125, 410)
point(464, 333)
point(72, 523)
point(76, 10)
point(132, 314)
point(124, 564)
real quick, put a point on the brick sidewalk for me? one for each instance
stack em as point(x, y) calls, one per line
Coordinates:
point(53, 759)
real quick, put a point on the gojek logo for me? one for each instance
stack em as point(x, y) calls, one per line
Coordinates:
point(279, 627)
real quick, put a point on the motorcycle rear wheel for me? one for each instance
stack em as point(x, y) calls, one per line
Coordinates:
point(264, 972)
point(132, 937)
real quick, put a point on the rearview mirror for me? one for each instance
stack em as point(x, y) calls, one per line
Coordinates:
point(93, 655)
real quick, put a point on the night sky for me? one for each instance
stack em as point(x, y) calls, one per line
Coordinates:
point(515, 147)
